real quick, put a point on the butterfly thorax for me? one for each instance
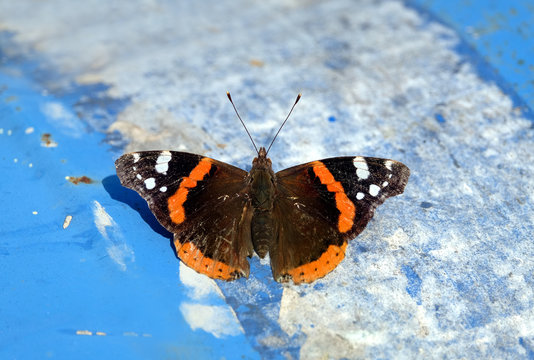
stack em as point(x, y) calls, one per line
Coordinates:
point(262, 193)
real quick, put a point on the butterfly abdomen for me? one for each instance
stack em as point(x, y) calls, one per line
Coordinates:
point(262, 191)
point(262, 228)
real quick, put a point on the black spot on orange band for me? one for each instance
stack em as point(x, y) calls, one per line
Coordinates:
point(195, 259)
point(320, 267)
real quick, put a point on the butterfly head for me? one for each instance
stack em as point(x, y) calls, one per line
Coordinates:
point(262, 161)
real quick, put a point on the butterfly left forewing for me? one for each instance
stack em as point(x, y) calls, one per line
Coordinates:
point(322, 205)
point(201, 201)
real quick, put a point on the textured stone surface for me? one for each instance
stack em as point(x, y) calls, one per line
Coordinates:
point(445, 270)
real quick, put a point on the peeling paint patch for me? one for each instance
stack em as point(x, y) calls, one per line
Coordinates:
point(217, 320)
point(63, 118)
point(200, 286)
point(116, 246)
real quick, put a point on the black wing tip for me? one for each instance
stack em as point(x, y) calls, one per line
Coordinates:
point(401, 175)
point(124, 158)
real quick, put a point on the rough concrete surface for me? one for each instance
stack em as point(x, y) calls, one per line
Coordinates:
point(444, 271)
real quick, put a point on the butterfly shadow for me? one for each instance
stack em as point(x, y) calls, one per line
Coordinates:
point(118, 192)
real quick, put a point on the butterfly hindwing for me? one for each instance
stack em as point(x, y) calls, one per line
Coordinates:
point(323, 204)
point(201, 201)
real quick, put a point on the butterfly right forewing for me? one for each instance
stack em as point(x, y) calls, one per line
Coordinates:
point(322, 205)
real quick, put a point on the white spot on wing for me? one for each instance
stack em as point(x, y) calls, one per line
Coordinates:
point(165, 156)
point(162, 168)
point(136, 157)
point(150, 183)
point(138, 176)
point(385, 183)
point(362, 170)
point(163, 189)
point(360, 196)
point(374, 189)
point(389, 164)
point(162, 163)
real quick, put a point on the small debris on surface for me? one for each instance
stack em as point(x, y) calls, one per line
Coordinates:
point(67, 221)
point(79, 179)
point(46, 140)
point(83, 332)
point(256, 62)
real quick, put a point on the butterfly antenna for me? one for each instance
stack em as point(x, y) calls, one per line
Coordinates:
point(239, 117)
point(287, 117)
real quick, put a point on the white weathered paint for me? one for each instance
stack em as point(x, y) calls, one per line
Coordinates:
point(116, 247)
point(203, 312)
point(218, 320)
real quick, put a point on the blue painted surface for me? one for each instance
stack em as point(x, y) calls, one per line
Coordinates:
point(59, 284)
point(501, 33)
point(63, 283)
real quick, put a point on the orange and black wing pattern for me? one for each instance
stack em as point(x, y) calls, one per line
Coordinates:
point(202, 201)
point(323, 204)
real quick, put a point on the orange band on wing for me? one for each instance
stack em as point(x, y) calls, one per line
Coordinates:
point(176, 202)
point(194, 258)
point(343, 203)
point(320, 267)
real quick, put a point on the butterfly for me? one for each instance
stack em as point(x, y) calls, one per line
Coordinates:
point(220, 215)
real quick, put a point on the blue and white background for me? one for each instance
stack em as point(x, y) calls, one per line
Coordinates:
point(447, 87)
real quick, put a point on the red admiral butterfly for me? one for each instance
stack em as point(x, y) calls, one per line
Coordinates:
point(302, 216)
